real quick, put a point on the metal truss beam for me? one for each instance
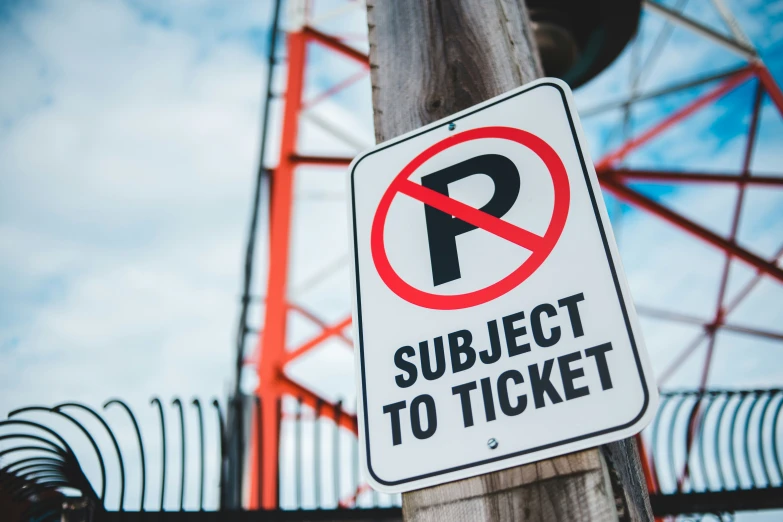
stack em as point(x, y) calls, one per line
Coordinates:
point(336, 45)
point(639, 200)
point(724, 88)
point(660, 176)
point(318, 321)
point(727, 309)
point(264, 481)
point(273, 356)
point(739, 48)
point(690, 319)
point(325, 334)
point(313, 400)
point(321, 161)
point(658, 93)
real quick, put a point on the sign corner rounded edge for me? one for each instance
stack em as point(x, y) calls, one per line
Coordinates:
point(355, 163)
point(383, 486)
point(555, 81)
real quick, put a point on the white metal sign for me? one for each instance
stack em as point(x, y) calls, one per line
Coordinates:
point(492, 320)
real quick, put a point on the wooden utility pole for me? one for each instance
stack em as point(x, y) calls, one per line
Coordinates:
point(430, 59)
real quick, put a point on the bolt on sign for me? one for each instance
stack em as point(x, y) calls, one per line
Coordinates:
point(493, 323)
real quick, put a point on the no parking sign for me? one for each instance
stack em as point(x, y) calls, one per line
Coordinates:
point(492, 321)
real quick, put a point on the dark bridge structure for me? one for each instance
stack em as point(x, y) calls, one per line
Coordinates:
point(711, 454)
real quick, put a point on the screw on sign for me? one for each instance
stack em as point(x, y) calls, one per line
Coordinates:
point(490, 304)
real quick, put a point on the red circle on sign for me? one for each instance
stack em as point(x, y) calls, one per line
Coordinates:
point(538, 255)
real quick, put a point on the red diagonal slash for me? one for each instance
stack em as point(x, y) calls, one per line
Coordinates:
point(474, 216)
point(539, 246)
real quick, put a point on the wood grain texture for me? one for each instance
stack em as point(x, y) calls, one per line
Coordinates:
point(508, 479)
point(625, 467)
point(428, 60)
point(435, 57)
point(572, 487)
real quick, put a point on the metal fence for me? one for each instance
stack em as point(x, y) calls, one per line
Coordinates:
point(34, 451)
point(717, 451)
point(710, 452)
point(176, 458)
point(319, 461)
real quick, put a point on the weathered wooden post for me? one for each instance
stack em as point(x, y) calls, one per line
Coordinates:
point(428, 60)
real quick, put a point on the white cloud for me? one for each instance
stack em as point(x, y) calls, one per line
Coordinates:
point(125, 203)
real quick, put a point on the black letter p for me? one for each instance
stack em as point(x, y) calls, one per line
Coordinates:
point(443, 229)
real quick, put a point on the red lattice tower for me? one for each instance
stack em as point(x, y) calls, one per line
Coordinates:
point(273, 355)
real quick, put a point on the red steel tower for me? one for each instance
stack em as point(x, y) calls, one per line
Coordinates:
point(308, 31)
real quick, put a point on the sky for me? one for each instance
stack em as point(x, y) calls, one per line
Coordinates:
point(129, 137)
